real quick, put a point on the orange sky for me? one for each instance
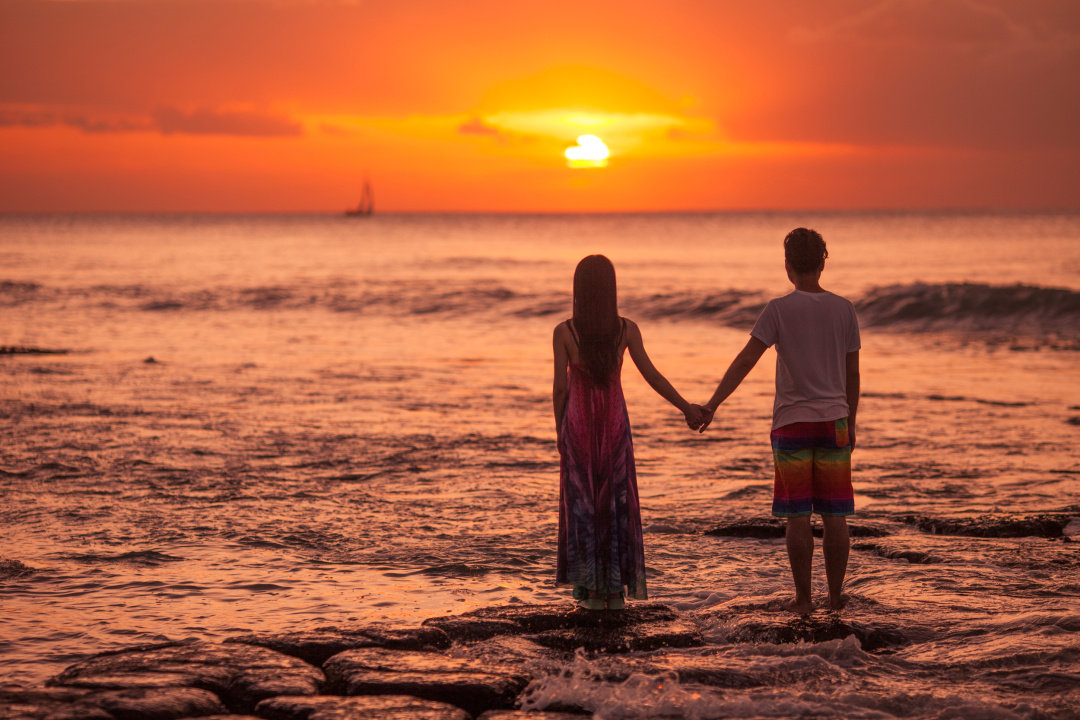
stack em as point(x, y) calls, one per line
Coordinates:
point(468, 105)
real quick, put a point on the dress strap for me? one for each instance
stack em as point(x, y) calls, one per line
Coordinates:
point(618, 344)
point(573, 332)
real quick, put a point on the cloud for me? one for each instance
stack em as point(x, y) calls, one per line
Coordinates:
point(204, 121)
point(986, 74)
point(476, 126)
point(165, 120)
point(105, 125)
point(945, 23)
point(40, 118)
point(14, 117)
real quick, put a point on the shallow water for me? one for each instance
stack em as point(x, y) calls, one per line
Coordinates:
point(350, 421)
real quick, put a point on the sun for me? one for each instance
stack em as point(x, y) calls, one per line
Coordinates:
point(590, 152)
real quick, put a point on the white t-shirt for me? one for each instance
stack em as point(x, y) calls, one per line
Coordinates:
point(813, 333)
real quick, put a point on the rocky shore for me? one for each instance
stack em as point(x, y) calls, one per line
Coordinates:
point(501, 663)
point(474, 665)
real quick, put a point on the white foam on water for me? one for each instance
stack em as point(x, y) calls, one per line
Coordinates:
point(844, 652)
point(662, 696)
point(701, 601)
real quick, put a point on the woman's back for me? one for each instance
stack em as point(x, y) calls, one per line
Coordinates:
point(600, 545)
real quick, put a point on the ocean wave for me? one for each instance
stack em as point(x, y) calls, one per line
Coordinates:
point(954, 301)
point(1001, 310)
point(734, 308)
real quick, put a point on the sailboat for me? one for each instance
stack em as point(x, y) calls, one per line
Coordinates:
point(366, 206)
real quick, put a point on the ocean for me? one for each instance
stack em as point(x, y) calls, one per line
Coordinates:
point(272, 422)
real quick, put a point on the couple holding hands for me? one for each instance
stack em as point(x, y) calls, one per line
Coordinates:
point(816, 334)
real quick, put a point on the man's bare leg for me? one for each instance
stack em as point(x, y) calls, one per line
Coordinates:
point(836, 546)
point(800, 548)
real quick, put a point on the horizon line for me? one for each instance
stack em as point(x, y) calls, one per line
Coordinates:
point(555, 213)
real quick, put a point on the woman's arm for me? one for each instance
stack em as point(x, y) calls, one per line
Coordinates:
point(656, 380)
point(559, 388)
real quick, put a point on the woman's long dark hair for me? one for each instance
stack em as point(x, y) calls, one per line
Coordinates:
point(596, 316)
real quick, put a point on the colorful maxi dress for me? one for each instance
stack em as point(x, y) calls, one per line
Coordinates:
point(600, 547)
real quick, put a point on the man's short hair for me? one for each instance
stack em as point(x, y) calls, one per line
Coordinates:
point(804, 250)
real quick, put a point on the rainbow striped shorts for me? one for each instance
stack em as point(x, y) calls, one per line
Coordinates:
point(813, 469)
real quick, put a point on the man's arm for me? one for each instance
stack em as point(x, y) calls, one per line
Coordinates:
point(852, 393)
point(743, 363)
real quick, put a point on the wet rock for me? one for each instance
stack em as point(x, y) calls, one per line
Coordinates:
point(915, 557)
point(753, 528)
point(165, 703)
point(862, 530)
point(240, 675)
point(785, 628)
point(788, 630)
point(168, 703)
point(19, 703)
point(524, 715)
point(390, 707)
point(318, 645)
point(769, 527)
point(532, 619)
point(645, 626)
point(470, 684)
point(508, 650)
point(618, 638)
point(470, 629)
point(506, 620)
point(10, 569)
point(1048, 525)
point(19, 350)
point(881, 637)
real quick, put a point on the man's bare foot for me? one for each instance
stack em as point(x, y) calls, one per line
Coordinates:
point(801, 606)
point(837, 604)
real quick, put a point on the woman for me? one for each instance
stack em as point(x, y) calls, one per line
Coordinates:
point(600, 546)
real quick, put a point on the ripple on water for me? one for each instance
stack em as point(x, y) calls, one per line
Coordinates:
point(133, 557)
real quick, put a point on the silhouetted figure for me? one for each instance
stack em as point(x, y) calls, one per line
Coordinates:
point(600, 546)
point(817, 343)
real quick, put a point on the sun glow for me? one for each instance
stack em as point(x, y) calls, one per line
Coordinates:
point(590, 152)
point(587, 120)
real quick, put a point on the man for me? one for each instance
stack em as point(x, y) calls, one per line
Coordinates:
point(816, 335)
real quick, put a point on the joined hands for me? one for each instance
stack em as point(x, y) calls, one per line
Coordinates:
point(698, 417)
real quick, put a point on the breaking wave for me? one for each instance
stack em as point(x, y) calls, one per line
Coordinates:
point(971, 305)
point(999, 310)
